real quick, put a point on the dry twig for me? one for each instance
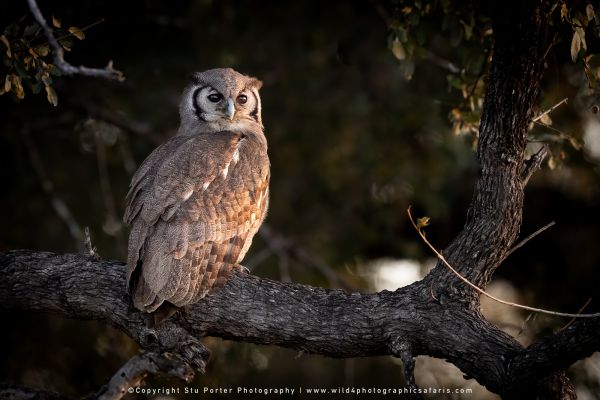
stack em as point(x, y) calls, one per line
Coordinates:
point(483, 292)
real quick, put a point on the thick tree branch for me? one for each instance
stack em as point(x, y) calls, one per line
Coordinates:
point(19, 392)
point(334, 323)
point(495, 214)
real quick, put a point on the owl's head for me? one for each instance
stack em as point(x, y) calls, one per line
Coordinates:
point(220, 99)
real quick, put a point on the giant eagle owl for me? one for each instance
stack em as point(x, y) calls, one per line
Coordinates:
point(198, 199)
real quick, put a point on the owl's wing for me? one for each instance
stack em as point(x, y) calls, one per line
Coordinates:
point(190, 220)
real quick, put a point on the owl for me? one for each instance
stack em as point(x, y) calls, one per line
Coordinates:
point(198, 199)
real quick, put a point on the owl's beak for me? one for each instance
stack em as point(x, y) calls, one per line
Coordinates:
point(230, 110)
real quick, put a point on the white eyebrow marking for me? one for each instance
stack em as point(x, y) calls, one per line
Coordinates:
point(206, 185)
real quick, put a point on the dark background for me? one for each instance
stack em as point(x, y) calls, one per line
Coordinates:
point(352, 145)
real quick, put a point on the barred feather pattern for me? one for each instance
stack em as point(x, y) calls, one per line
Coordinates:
point(194, 206)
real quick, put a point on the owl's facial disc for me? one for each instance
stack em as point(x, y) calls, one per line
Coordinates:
point(225, 108)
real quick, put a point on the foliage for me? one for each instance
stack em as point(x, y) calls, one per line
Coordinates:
point(27, 58)
point(411, 25)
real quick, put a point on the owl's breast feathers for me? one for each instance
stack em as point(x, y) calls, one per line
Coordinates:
point(194, 206)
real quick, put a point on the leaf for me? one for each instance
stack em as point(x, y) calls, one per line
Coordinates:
point(398, 50)
point(589, 10)
point(17, 86)
point(468, 30)
point(455, 81)
point(36, 88)
point(407, 69)
point(582, 38)
point(56, 21)
point(42, 50)
point(422, 222)
point(11, 30)
point(19, 67)
point(46, 79)
point(7, 44)
point(31, 30)
point(575, 46)
point(545, 119)
point(575, 143)
point(54, 70)
point(564, 13)
point(66, 44)
point(78, 33)
point(51, 96)
point(7, 84)
point(552, 164)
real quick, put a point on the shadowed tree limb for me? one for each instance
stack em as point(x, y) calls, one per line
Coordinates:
point(137, 368)
point(330, 322)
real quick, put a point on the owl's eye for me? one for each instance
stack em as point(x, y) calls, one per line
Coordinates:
point(215, 97)
point(242, 99)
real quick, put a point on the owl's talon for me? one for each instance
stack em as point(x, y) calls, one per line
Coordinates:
point(242, 269)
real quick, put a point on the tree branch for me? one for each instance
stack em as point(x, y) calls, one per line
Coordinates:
point(20, 392)
point(137, 368)
point(59, 55)
point(333, 323)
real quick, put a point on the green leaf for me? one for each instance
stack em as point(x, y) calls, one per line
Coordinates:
point(66, 43)
point(42, 50)
point(31, 30)
point(11, 30)
point(53, 70)
point(19, 68)
point(78, 33)
point(455, 81)
point(468, 30)
point(402, 34)
point(36, 88)
point(51, 96)
point(46, 79)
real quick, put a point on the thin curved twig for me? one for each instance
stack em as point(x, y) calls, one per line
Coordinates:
point(483, 292)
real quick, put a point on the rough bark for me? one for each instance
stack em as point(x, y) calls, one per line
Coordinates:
point(334, 323)
point(405, 323)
